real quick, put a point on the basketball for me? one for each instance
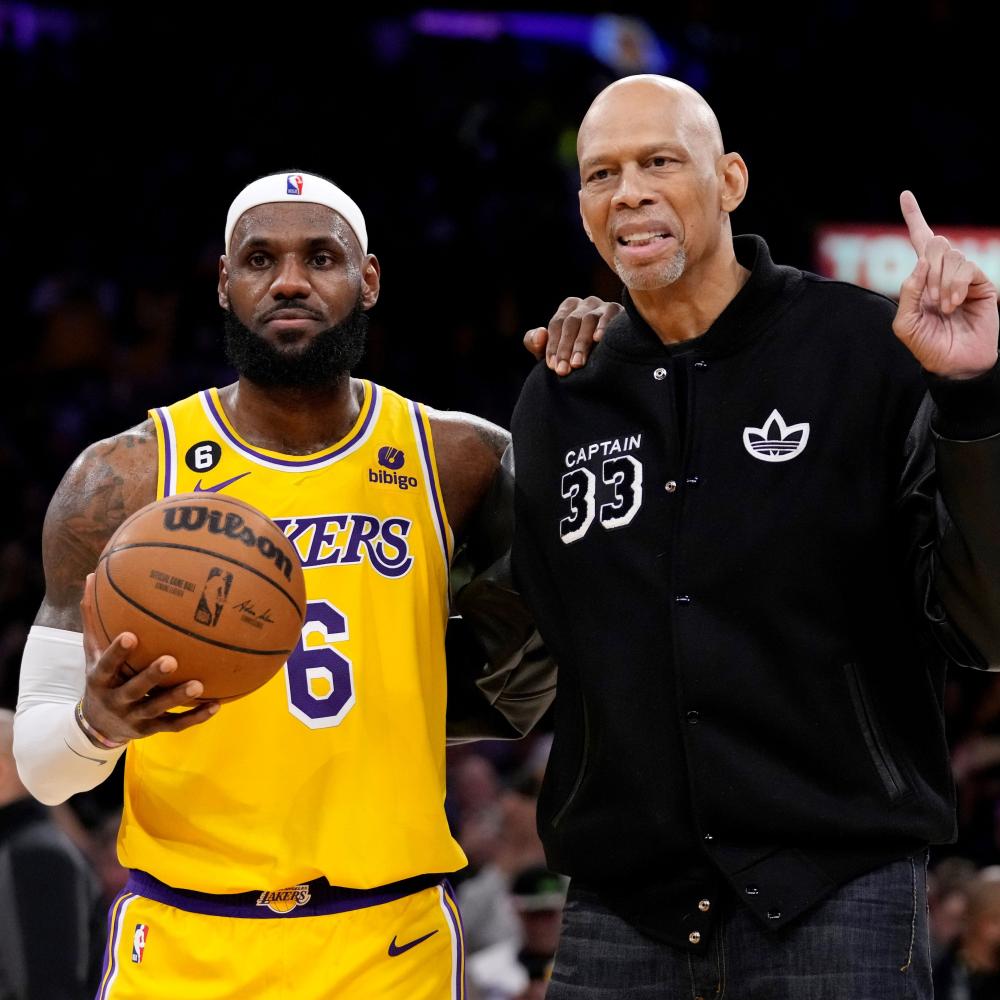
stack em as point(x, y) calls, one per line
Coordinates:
point(210, 580)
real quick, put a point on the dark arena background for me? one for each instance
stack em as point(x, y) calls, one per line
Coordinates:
point(127, 134)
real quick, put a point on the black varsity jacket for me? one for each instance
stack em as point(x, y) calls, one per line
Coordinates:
point(738, 552)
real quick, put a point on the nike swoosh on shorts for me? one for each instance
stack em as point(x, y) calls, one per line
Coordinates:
point(398, 949)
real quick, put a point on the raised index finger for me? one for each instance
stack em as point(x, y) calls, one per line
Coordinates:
point(920, 232)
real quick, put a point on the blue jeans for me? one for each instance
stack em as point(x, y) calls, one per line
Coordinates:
point(867, 941)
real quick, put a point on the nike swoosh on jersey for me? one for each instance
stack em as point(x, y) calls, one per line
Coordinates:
point(198, 488)
point(398, 949)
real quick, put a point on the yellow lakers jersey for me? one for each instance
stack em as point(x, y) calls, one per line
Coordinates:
point(336, 766)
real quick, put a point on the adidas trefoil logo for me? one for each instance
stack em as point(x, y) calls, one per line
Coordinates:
point(776, 441)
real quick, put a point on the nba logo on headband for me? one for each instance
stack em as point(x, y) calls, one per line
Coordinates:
point(294, 184)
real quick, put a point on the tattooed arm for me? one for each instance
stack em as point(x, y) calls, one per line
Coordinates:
point(65, 661)
point(500, 678)
point(110, 481)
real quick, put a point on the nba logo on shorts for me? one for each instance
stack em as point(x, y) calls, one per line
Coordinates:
point(139, 942)
point(294, 184)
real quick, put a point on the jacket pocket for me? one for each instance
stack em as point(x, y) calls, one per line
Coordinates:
point(878, 749)
point(581, 770)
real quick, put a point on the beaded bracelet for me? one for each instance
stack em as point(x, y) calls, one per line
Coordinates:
point(92, 734)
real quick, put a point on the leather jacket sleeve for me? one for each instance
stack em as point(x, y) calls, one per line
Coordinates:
point(951, 486)
point(501, 679)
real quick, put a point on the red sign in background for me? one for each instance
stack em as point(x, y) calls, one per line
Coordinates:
point(880, 257)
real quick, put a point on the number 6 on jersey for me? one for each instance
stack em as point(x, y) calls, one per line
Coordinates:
point(319, 679)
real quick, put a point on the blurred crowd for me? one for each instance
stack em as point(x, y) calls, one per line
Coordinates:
point(462, 155)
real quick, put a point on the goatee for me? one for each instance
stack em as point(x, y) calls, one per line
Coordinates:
point(330, 356)
point(645, 279)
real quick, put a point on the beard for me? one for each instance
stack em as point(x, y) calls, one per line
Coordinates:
point(645, 279)
point(325, 361)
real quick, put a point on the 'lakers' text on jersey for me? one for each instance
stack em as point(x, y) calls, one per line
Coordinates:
point(335, 767)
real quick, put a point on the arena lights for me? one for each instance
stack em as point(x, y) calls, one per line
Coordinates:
point(26, 25)
point(626, 44)
point(880, 257)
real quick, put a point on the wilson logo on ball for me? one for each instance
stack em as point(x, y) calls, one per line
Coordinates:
point(193, 517)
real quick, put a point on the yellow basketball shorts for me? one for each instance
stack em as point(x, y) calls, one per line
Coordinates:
point(308, 942)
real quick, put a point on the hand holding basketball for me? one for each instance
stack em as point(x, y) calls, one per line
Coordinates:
point(197, 597)
point(124, 710)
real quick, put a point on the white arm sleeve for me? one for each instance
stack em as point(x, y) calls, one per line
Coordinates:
point(54, 757)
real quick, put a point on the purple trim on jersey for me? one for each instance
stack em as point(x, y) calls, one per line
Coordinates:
point(108, 969)
point(431, 477)
point(324, 898)
point(292, 463)
point(168, 451)
point(459, 929)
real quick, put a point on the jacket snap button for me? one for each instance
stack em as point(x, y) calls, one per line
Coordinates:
point(693, 717)
point(705, 905)
point(660, 374)
point(694, 937)
point(670, 486)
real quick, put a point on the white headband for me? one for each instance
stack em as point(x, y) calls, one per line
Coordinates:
point(297, 187)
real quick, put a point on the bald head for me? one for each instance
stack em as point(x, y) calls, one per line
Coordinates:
point(638, 99)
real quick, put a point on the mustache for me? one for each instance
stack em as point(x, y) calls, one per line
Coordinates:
point(290, 307)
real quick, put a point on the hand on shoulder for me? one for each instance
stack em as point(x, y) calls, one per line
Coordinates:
point(567, 341)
